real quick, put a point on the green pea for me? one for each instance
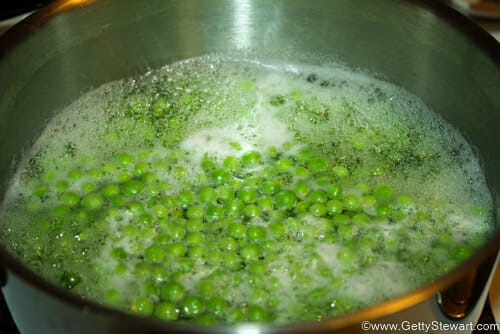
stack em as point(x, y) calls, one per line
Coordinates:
point(123, 176)
point(231, 261)
point(271, 187)
point(272, 152)
point(234, 207)
point(149, 289)
point(118, 253)
point(217, 306)
point(247, 195)
point(346, 255)
point(284, 165)
point(142, 269)
point(250, 253)
point(256, 233)
point(195, 238)
point(445, 238)
point(285, 200)
point(191, 307)
point(196, 252)
point(92, 201)
point(195, 212)
point(154, 253)
point(404, 202)
point(318, 209)
point(185, 199)
point(253, 182)
point(461, 253)
point(149, 178)
point(207, 195)
point(323, 180)
point(301, 189)
point(87, 187)
point(340, 171)
point(302, 207)
point(256, 313)
point(383, 192)
point(176, 249)
point(131, 188)
point(369, 201)
point(220, 176)
point(277, 230)
point(235, 185)
point(335, 191)
point(43, 225)
point(234, 316)
point(172, 292)
point(265, 203)
point(304, 154)
point(206, 320)
point(361, 219)
point(41, 191)
point(269, 245)
point(251, 158)
point(117, 201)
point(257, 268)
point(224, 193)
point(135, 207)
point(301, 172)
point(130, 231)
point(317, 196)
point(228, 244)
point(166, 311)
point(151, 190)
point(62, 185)
point(348, 232)
point(159, 211)
point(351, 202)
point(168, 201)
point(231, 163)
point(142, 306)
point(124, 159)
point(276, 215)
point(110, 190)
point(159, 274)
point(75, 174)
point(334, 207)
point(70, 198)
point(112, 297)
point(317, 164)
point(140, 168)
point(214, 212)
point(207, 164)
point(252, 211)
point(237, 230)
point(383, 210)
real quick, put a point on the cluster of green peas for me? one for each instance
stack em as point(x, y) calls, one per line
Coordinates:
point(241, 217)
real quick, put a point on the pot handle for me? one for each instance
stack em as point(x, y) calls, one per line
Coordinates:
point(457, 301)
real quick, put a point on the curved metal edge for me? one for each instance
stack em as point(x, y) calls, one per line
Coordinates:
point(30, 24)
point(475, 34)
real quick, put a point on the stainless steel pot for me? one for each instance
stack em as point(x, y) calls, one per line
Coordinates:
point(73, 45)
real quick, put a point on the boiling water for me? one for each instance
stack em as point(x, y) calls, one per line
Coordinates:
point(170, 120)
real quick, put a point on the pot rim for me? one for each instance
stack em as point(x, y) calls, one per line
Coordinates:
point(465, 26)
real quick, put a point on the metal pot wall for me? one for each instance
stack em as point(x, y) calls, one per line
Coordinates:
point(70, 46)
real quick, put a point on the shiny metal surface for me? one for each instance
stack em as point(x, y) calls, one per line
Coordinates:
point(74, 45)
